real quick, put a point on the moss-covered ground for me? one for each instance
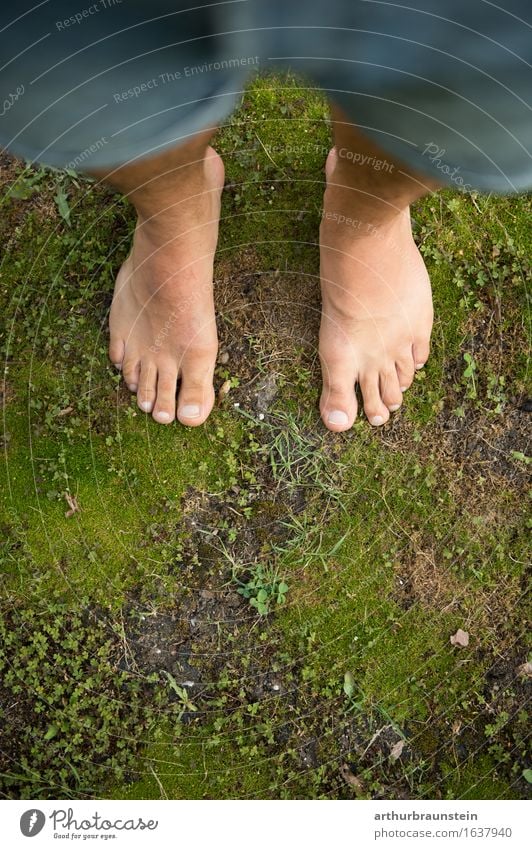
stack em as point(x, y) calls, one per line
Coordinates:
point(257, 607)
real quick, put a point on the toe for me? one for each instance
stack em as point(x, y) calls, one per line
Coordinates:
point(420, 352)
point(330, 162)
point(338, 404)
point(376, 411)
point(131, 372)
point(164, 407)
point(390, 390)
point(196, 394)
point(116, 351)
point(405, 370)
point(147, 389)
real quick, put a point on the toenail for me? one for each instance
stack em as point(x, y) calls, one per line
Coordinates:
point(376, 421)
point(146, 406)
point(162, 416)
point(393, 408)
point(189, 411)
point(118, 366)
point(420, 365)
point(132, 387)
point(404, 388)
point(338, 417)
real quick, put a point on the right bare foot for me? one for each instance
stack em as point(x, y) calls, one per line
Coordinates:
point(162, 321)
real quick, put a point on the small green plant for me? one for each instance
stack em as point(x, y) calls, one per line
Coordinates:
point(496, 393)
point(468, 376)
point(520, 457)
point(61, 201)
point(264, 589)
point(493, 728)
point(27, 183)
point(185, 703)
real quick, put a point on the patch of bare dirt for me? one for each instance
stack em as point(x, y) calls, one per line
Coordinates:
point(422, 579)
point(487, 446)
point(266, 320)
point(41, 200)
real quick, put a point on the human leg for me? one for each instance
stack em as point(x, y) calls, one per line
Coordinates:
point(377, 305)
point(162, 323)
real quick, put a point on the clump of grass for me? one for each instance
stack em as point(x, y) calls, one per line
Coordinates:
point(297, 456)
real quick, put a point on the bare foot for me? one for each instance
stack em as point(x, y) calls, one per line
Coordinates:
point(162, 320)
point(376, 308)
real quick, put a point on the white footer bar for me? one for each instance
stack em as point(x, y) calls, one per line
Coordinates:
point(265, 824)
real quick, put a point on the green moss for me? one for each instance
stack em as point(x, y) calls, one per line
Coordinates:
point(478, 779)
point(203, 767)
point(105, 549)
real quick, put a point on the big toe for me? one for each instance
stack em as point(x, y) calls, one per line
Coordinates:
point(196, 394)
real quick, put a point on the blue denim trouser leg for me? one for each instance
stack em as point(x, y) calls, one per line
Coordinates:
point(444, 86)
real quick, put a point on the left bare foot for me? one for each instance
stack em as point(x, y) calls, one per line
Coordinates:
point(376, 307)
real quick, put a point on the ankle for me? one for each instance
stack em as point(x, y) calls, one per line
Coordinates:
point(167, 222)
point(173, 188)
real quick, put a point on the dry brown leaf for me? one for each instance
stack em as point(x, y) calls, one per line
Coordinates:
point(224, 389)
point(353, 780)
point(456, 727)
point(461, 638)
point(397, 750)
point(72, 504)
point(65, 412)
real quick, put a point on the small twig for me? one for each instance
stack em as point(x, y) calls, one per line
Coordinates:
point(158, 780)
point(375, 736)
point(268, 155)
